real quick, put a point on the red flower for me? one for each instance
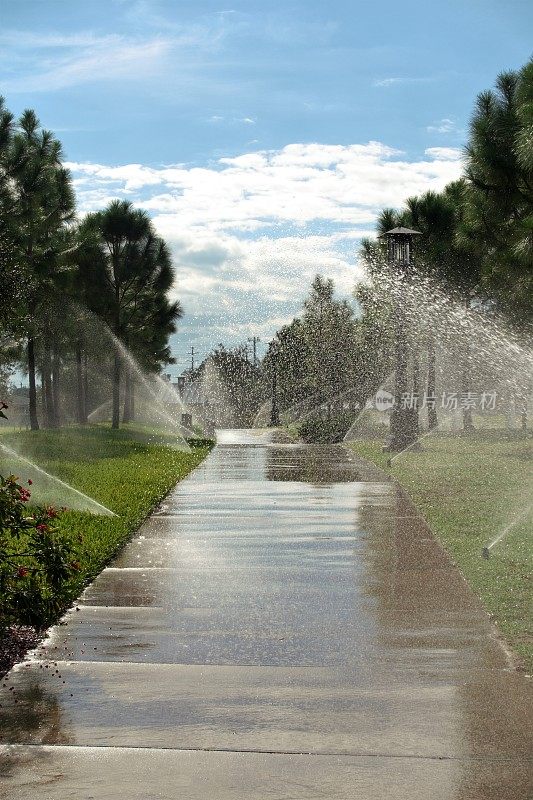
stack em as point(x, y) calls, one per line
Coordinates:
point(51, 512)
point(30, 481)
point(42, 527)
point(22, 572)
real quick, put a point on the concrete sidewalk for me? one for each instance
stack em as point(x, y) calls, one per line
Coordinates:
point(284, 627)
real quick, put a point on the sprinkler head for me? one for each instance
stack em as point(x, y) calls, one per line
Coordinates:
point(485, 552)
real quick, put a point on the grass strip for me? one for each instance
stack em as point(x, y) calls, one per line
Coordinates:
point(121, 471)
point(470, 489)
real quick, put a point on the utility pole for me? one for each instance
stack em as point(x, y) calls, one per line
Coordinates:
point(254, 340)
point(192, 358)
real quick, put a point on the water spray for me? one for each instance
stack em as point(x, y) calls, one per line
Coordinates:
point(409, 446)
point(161, 412)
point(88, 501)
point(348, 437)
point(485, 553)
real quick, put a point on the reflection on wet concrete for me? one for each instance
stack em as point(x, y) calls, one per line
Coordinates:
point(87, 772)
point(285, 600)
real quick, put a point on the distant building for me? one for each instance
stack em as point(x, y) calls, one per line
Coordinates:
point(18, 412)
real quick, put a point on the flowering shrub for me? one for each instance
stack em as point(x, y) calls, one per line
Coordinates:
point(35, 561)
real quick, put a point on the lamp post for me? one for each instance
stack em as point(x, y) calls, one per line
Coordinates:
point(404, 430)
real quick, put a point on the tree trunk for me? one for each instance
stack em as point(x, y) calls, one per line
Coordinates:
point(468, 424)
point(43, 398)
point(523, 412)
point(431, 398)
point(56, 400)
point(86, 386)
point(34, 421)
point(416, 380)
point(47, 387)
point(126, 416)
point(115, 422)
point(81, 411)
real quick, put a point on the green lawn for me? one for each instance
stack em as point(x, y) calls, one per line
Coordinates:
point(125, 474)
point(470, 489)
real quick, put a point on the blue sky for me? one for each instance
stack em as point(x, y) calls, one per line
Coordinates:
point(263, 137)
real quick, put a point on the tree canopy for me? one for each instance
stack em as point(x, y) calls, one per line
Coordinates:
point(57, 276)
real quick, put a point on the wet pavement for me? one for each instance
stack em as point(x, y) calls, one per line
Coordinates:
point(284, 627)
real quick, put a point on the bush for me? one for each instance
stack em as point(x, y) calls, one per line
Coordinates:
point(199, 441)
point(112, 466)
point(35, 559)
point(326, 430)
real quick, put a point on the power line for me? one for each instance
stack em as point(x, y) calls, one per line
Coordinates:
point(192, 356)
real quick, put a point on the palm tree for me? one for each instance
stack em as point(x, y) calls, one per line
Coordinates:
point(127, 270)
point(149, 342)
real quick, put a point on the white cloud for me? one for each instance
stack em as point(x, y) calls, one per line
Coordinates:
point(249, 232)
point(453, 154)
point(51, 60)
point(385, 83)
point(445, 125)
point(218, 118)
point(45, 40)
point(298, 185)
point(88, 60)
